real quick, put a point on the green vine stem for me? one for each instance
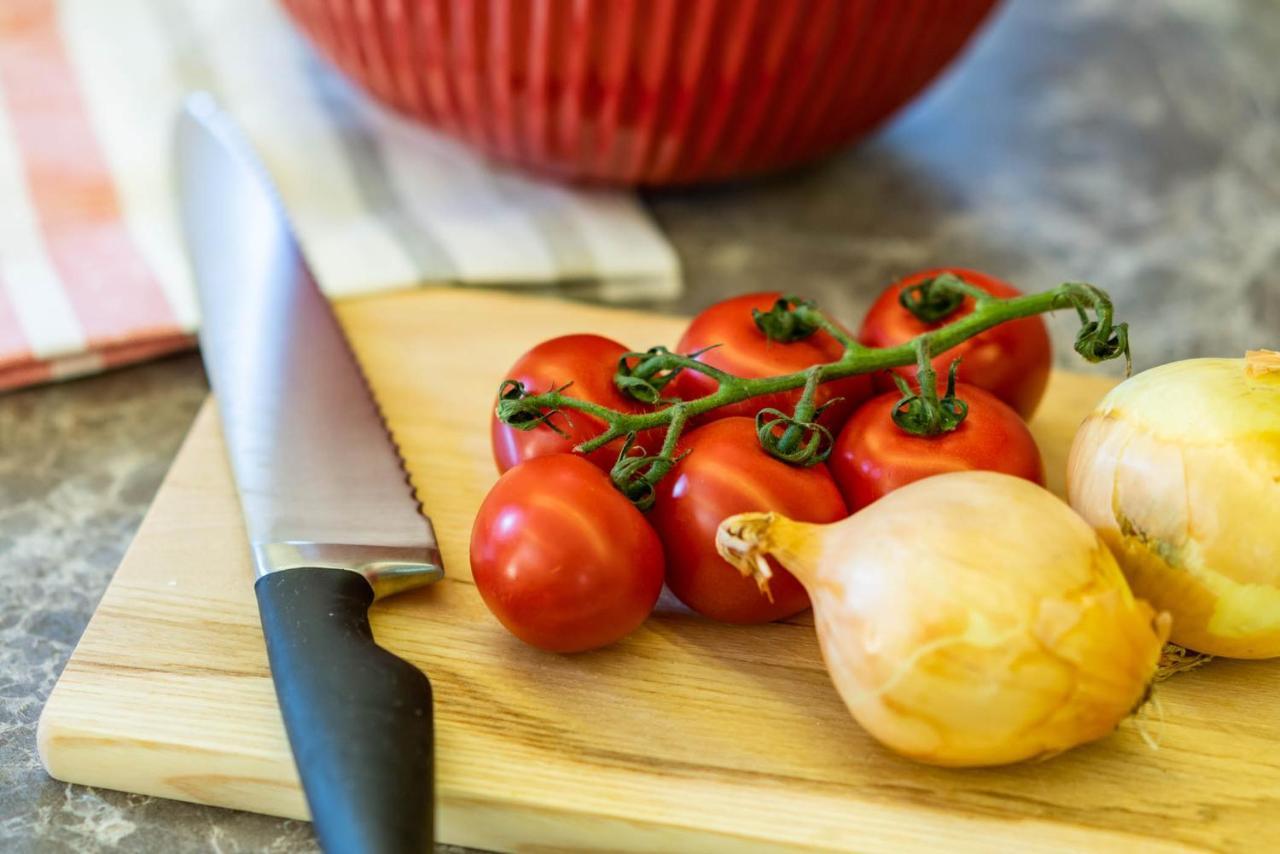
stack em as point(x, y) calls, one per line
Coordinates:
point(643, 376)
point(637, 475)
point(1099, 339)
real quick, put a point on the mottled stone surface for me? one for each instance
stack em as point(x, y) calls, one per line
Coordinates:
point(1133, 143)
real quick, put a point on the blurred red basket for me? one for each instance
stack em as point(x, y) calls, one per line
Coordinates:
point(653, 92)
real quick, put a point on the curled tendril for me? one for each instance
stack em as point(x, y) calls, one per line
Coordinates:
point(643, 381)
point(644, 376)
point(1098, 339)
point(934, 299)
point(917, 414)
point(814, 444)
point(639, 388)
point(782, 323)
point(515, 409)
point(1098, 344)
point(635, 474)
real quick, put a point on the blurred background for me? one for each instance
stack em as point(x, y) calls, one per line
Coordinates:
point(1131, 143)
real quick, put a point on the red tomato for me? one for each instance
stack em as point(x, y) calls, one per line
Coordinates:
point(1011, 360)
point(561, 558)
point(727, 472)
point(873, 456)
point(745, 351)
point(589, 363)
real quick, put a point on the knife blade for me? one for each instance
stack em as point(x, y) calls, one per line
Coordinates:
point(330, 515)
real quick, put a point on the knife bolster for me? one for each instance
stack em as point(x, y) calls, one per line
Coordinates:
point(387, 569)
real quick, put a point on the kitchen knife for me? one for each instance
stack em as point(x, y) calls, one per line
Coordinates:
point(331, 517)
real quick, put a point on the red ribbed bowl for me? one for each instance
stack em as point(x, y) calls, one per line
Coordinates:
point(645, 91)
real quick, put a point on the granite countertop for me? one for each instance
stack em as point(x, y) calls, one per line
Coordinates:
point(1132, 144)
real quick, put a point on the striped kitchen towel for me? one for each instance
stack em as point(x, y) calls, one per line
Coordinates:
point(92, 270)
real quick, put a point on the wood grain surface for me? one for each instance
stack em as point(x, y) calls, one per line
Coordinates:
point(687, 736)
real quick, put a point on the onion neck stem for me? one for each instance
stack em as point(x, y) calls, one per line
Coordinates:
point(747, 539)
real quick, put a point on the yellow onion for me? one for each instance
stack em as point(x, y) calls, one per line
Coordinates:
point(966, 619)
point(1179, 470)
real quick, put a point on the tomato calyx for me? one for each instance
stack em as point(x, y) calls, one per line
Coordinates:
point(517, 410)
point(797, 439)
point(637, 475)
point(1098, 339)
point(1097, 344)
point(922, 413)
point(937, 298)
point(809, 442)
point(789, 320)
point(652, 371)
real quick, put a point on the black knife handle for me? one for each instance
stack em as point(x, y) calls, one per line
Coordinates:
point(358, 717)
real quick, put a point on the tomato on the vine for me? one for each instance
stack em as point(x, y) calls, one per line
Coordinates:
point(588, 363)
point(1011, 361)
point(739, 347)
point(562, 558)
point(874, 456)
point(725, 472)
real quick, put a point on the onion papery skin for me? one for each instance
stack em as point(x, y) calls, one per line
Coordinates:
point(1178, 469)
point(969, 619)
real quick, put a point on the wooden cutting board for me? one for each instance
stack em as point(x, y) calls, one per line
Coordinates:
point(687, 736)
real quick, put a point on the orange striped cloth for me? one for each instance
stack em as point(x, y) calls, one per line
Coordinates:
point(92, 270)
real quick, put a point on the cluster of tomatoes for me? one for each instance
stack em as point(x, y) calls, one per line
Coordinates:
point(567, 562)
